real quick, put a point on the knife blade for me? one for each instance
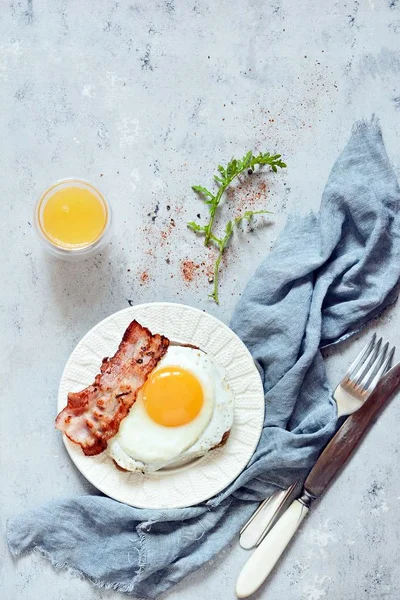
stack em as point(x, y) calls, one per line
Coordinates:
point(330, 462)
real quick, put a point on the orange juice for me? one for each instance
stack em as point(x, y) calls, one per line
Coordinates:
point(72, 215)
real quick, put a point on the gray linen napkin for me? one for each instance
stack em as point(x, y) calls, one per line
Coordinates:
point(328, 274)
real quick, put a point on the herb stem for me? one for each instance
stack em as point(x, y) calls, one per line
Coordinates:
point(214, 294)
point(213, 210)
point(222, 244)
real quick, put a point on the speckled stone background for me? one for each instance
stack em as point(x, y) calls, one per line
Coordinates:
point(144, 99)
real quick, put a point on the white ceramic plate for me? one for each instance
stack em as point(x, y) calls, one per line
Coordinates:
point(206, 476)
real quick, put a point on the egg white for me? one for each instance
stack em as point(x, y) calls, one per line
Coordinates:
point(142, 444)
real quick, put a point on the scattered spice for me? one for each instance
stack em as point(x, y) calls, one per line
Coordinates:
point(209, 265)
point(154, 214)
point(144, 277)
point(248, 198)
point(150, 252)
point(167, 232)
point(189, 270)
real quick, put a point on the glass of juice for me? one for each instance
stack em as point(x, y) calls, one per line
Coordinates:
point(73, 219)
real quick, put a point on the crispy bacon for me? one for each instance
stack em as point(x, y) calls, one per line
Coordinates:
point(93, 415)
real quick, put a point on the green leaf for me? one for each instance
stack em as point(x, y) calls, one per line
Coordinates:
point(249, 214)
point(232, 168)
point(217, 241)
point(202, 190)
point(197, 228)
point(229, 228)
point(247, 159)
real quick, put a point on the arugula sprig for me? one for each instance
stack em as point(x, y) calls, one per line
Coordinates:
point(222, 243)
point(224, 178)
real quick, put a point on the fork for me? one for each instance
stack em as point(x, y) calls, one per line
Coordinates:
point(359, 383)
point(355, 387)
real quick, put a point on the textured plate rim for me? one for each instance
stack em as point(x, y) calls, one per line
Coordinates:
point(172, 497)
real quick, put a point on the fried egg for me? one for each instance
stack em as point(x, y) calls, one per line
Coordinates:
point(182, 412)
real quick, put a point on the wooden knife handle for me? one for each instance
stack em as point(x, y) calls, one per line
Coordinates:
point(346, 439)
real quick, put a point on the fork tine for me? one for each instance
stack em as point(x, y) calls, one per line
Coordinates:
point(373, 370)
point(368, 364)
point(390, 360)
point(360, 359)
point(384, 368)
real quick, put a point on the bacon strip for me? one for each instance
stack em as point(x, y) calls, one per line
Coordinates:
point(93, 415)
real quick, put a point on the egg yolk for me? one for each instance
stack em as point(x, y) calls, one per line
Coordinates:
point(172, 396)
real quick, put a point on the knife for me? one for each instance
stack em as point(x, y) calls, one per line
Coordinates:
point(266, 515)
point(330, 462)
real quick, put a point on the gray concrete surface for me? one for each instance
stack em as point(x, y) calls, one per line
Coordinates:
point(144, 99)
